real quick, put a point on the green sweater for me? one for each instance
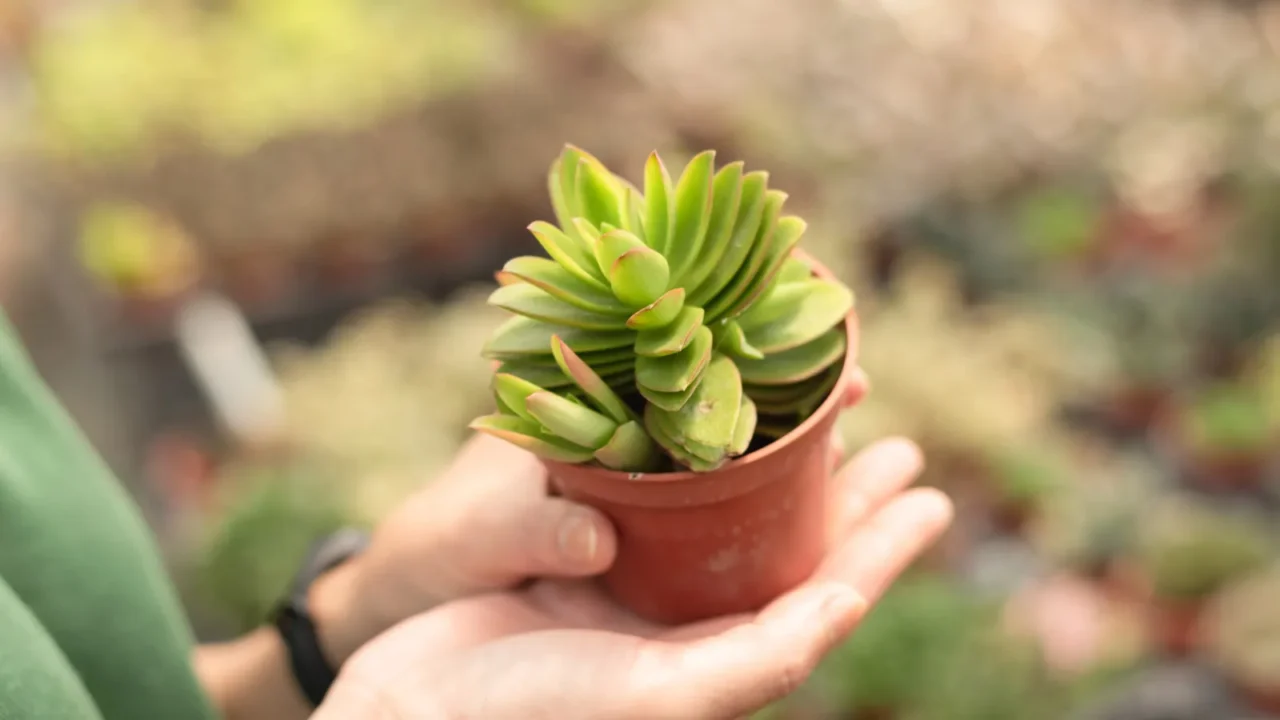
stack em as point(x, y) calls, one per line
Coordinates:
point(89, 625)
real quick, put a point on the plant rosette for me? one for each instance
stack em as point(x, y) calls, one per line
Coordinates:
point(1223, 439)
point(1188, 553)
point(678, 365)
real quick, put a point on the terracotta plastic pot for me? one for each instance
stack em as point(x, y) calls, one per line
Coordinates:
point(699, 545)
point(1175, 626)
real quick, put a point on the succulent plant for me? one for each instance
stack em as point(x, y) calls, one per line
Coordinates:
point(670, 323)
point(1191, 550)
point(1230, 417)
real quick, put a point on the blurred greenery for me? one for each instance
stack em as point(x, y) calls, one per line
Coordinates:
point(1060, 222)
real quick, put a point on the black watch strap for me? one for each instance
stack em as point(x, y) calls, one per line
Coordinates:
point(313, 672)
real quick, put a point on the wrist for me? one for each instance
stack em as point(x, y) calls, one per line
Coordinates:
point(338, 613)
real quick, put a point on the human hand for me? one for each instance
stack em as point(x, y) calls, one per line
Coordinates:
point(486, 524)
point(562, 649)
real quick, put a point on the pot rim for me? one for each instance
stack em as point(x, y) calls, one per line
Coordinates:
point(829, 405)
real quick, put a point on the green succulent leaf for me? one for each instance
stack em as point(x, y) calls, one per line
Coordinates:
point(639, 276)
point(661, 429)
point(613, 245)
point(588, 231)
point(512, 391)
point(659, 313)
point(570, 252)
point(675, 373)
point(753, 264)
point(633, 211)
point(552, 377)
point(529, 436)
point(793, 270)
point(746, 229)
point(657, 200)
point(781, 394)
point(781, 301)
point(521, 337)
point(551, 277)
point(670, 401)
point(711, 415)
point(630, 449)
point(573, 422)
point(692, 214)
point(726, 196)
point(672, 337)
point(826, 304)
point(745, 427)
point(731, 341)
point(532, 302)
point(786, 237)
point(562, 183)
point(590, 382)
point(599, 195)
point(796, 364)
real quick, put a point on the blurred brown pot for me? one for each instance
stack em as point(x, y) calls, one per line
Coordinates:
point(1175, 625)
point(699, 545)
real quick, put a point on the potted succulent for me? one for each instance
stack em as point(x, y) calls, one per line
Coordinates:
point(1224, 436)
point(1023, 480)
point(1188, 551)
point(1243, 637)
point(678, 366)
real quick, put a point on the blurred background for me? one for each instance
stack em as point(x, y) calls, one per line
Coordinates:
point(248, 243)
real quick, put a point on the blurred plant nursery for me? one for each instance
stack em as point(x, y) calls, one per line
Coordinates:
point(250, 245)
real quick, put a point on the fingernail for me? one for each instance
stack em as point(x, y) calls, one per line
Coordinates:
point(579, 539)
point(841, 603)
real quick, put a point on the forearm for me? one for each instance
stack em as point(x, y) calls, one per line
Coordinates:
point(251, 678)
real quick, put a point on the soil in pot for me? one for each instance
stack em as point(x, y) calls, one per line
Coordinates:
point(700, 545)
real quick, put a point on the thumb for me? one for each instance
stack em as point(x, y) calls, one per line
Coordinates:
point(754, 663)
point(552, 537)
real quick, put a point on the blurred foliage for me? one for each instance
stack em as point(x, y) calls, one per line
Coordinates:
point(245, 72)
point(130, 248)
point(1191, 549)
point(273, 513)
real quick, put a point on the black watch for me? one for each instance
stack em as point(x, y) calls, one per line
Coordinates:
point(312, 671)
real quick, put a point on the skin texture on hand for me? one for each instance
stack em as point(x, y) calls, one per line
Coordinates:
point(560, 648)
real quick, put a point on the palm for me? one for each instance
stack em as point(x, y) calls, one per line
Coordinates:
point(575, 640)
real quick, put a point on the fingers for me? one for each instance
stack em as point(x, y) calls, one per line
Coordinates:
point(871, 479)
point(558, 538)
point(877, 552)
point(858, 387)
point(751, 664)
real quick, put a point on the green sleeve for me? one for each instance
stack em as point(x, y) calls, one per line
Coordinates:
point(75, 551)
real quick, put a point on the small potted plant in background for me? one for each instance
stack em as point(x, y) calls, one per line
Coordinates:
point(1188, 551)
point(1243, 637)
point(905, 643)
point(143, 258)
point(1224, 437)
point(677, 365)
point(1024, 480)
